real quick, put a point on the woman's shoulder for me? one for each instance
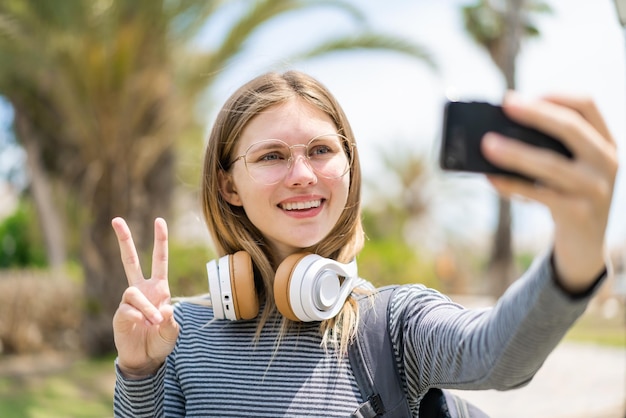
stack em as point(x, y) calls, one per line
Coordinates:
point(416, 290)
point(418, 297)
point(405, 300)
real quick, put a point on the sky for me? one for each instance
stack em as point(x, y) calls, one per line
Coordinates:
point(392, 100)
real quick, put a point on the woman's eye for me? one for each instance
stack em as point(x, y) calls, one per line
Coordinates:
point(270, 157)
point(322, 150)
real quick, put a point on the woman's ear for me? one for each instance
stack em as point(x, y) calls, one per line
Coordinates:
point(227, 188)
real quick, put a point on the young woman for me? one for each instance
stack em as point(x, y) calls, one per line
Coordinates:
point(282, 176)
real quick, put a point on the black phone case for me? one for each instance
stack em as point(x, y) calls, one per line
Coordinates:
point(465, 123)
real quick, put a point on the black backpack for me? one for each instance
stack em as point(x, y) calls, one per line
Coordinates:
point(374, 365)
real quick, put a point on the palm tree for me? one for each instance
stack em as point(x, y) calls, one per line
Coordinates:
point(101, 92)
point(499, 26)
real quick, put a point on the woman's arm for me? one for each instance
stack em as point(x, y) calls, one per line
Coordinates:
point(441, 344)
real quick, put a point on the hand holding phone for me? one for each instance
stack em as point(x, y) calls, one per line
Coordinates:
point(465, 124)
point(574, 178)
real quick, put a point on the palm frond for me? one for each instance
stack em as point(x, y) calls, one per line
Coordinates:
point(368, 41)
point(261, 13)
point(188, 17)
point(538, 7)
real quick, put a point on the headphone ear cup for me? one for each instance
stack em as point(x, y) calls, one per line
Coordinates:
point(282, 281)
point(245, 298)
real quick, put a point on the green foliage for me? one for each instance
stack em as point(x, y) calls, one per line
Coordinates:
point(383, 224)
point(485, 21)
point(390, 261)
point(595, 329)
point(523, 260)
point(187, 269)
point(387, 258)
point(82, 390)
point(20, 245)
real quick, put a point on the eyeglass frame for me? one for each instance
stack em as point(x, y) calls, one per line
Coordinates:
point(347, 146)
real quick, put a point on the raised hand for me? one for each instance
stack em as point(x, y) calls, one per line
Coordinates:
point(578, 192)
point(144, 328)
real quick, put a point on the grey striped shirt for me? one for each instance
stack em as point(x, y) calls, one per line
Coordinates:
point(218, 370)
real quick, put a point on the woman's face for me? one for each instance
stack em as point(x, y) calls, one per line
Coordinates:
point(301, 209)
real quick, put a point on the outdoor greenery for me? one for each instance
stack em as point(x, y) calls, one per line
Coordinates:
point(79, 389)
point(20, 242)
point(595, 329)
point(188, 275)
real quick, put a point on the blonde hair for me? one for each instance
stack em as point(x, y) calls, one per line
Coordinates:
point(229, 226)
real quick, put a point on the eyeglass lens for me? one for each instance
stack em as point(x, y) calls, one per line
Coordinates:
point(269, 161)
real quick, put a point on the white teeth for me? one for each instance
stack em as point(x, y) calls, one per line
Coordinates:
point(301, 205)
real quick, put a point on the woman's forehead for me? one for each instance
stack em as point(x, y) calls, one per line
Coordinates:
point(294, 121)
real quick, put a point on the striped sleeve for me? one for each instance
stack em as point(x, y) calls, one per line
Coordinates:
point(174, 402)
point(438, 343)
point(139, 398)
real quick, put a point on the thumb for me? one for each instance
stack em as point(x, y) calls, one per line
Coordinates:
point(168, 329)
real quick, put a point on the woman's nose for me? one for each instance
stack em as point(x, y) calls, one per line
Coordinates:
point(300, 172)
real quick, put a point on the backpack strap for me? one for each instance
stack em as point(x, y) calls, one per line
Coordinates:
point(374, 363)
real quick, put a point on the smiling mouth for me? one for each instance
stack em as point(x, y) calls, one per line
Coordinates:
point(301, 205)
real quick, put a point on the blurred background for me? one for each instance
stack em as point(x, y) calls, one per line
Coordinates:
point(104, 110)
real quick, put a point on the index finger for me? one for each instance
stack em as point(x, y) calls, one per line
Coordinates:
point(565, 123)
point(159, 253)
point(588, 109)
point(128, 252)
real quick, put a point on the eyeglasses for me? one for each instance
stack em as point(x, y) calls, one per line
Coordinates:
point(269, 161)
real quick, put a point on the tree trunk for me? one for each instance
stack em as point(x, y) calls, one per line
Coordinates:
point(105, 282)
point(501, 268)
point(51, 222)
point(113, 193)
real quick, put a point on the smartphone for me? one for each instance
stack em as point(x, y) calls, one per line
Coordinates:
point(465, 124)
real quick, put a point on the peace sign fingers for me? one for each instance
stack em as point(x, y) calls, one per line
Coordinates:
point(144, 328)
point(130, 259)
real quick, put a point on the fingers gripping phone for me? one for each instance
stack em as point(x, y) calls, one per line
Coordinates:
point(465, 124)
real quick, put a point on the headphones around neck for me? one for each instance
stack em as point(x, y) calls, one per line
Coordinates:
point(307, 287)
